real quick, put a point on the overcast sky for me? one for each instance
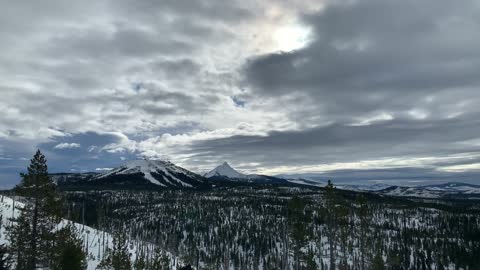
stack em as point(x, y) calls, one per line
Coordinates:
point(276, 87)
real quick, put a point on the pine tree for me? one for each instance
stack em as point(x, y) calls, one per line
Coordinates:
point(19, 234)
point(406, 249)
point(331, 215)
point(117, 258)
point(5, 258)
point(378, 263)
point(32, 234)
point(69, 254)
point(364, 226)
point(140, 263)
point(160, 260)
point(297, 220)
point(310, 261)
point(342, 219)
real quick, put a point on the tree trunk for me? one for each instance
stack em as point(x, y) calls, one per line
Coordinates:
point(362, 250)
point(331, 247)
point(33, 239)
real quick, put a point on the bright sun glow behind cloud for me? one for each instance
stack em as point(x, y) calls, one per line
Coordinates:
point(291, 37)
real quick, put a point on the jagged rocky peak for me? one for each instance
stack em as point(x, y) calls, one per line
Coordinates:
point(225, 170)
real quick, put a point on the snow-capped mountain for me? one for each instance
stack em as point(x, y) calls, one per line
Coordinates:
point(344, 186)
point(63, 178)
point(447, 190)
point(157, 172)
point(455, 187)
point(145, 173)
point(225, 170)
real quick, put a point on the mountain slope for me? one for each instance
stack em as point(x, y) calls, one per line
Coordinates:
point(450, 190)
point(66, 178)
point(225, 172)
point(447, 190)
point(137, 174)
point(157, 172)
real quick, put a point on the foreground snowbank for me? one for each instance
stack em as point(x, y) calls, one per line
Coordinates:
point(96, 241)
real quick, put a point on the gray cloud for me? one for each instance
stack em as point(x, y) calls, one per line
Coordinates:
point(381, 82)
point(369, 56)
point(341, 143)
point(124, 42)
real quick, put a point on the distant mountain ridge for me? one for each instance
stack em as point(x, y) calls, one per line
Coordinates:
point(446, 190)
point(449, 190)
point(63, 178)
point(145, 174)
point(136, 174)
point(225, 172)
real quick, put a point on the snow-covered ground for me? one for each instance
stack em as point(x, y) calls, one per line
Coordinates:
point(435, 191)
point(95, 241)
point(420, 191)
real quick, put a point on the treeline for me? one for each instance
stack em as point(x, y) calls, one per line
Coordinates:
point(250, 227)
point(289, 228)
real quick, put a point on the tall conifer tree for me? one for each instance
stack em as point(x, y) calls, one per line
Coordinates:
point(5, 258)
point(117, 258)
point(68, 253)
point(32, 235)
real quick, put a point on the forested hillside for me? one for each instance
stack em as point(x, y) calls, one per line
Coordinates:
point(34, 233)
point(290, 228)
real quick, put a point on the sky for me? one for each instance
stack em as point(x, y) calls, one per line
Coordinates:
point(376, 89)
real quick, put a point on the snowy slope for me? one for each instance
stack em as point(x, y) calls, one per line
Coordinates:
point(96, 241)
point(226, 171)
point(371, 187)
point(157, 172)
point(63, 178)
point(454, 187)
point(447, 190)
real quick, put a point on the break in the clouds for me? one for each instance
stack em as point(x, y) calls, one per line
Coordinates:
point(66, 145)
point(271, 86)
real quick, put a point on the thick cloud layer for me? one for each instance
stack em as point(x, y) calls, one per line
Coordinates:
point(376, 84)
point(390, 79)
point(408, 59)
